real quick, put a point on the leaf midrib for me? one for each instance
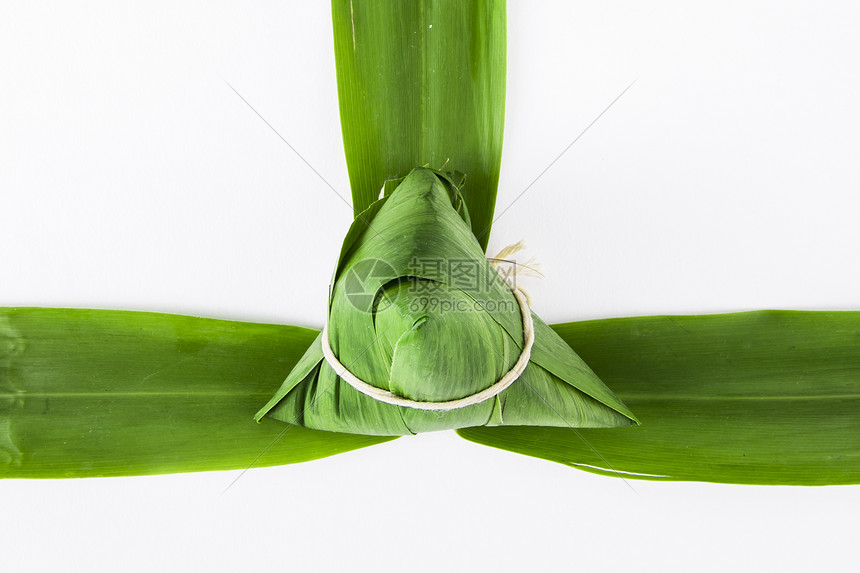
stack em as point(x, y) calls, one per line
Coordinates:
point(114, 394)
point(693, 398)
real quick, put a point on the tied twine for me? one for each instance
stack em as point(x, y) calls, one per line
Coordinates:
point(500, 386)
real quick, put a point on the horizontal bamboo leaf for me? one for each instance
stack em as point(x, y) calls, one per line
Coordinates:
point(112, 393)
point(766, 397)
point(422, 83)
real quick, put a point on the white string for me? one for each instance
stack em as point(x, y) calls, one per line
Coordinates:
point(397, 400)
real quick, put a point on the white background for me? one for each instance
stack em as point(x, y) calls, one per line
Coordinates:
point(132, 177)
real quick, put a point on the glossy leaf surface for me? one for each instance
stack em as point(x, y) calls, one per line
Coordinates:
point(766, 397)
point(111, 393)
point(422, 83)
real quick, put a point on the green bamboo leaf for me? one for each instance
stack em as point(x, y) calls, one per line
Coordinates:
point(422, 83)
point(766, 397)
point(111, 393)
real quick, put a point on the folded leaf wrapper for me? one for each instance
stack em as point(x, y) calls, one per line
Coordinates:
point(417, 310)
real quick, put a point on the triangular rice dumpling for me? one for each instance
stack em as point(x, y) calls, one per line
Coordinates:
point(416, 309)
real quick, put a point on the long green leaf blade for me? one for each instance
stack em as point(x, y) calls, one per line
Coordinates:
point(765, 397)
point(112, 393)
point(422, 83)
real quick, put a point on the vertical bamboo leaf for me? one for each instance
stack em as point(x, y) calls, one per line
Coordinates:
point(422, 82)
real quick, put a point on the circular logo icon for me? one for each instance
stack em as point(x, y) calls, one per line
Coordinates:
point(359, 281)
